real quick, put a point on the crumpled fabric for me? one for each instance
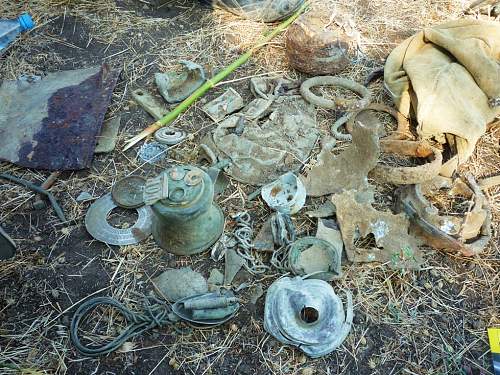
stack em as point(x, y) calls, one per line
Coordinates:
point(448, 77)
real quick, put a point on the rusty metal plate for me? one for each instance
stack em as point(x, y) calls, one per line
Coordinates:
point(53, 123)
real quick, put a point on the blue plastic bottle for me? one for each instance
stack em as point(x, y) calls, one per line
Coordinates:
point(9, 29)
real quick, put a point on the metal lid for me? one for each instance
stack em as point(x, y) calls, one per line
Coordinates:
point(128, 192)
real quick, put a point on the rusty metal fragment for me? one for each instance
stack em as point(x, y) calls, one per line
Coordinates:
point(175, 86)
point(329, 231)
point(264, 240)
point(150, 103)
point(348, 170)
point(325, 210)
point(468, 235)
point(224, 105)
point(358, 219)
point(282, 229)
point(215, 280)
point(268, 88)
point(278, 230)
point(408, 175)
point(53, 123)
point(85, 196)
point(286, 195)
point(106, 142)
point(459, 187)
point(437, 183)
point(316, 257)
point(233, 264)
point(257, 109)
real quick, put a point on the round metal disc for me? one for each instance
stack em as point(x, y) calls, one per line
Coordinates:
point(97, 224)
point(127, 193)
point(169, 136)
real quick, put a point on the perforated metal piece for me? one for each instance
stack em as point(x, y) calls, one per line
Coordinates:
point(307, 314)
point(152, 152)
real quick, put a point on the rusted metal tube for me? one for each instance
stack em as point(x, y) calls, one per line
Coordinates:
point(46, 185)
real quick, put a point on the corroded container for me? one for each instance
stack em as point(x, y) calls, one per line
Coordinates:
point(186, 219)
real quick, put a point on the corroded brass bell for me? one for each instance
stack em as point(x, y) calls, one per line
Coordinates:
point(186, 219)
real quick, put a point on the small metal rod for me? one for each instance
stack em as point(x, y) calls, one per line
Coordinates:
point(58, 210)
point(47, 184)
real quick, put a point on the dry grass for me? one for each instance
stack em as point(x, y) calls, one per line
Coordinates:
point(427, 322)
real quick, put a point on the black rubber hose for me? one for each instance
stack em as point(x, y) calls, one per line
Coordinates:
point(58, 210)
point(156, 315)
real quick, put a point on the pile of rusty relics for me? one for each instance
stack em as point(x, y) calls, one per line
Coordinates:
point(445, 85)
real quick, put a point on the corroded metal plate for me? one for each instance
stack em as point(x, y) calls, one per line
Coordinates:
point(52, 123)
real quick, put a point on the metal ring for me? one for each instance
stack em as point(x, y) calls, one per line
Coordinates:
point(332, 268)
point(408, 175)
point(170, 136)
point(338, 103)
point(97, 224)
point(403, 130)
